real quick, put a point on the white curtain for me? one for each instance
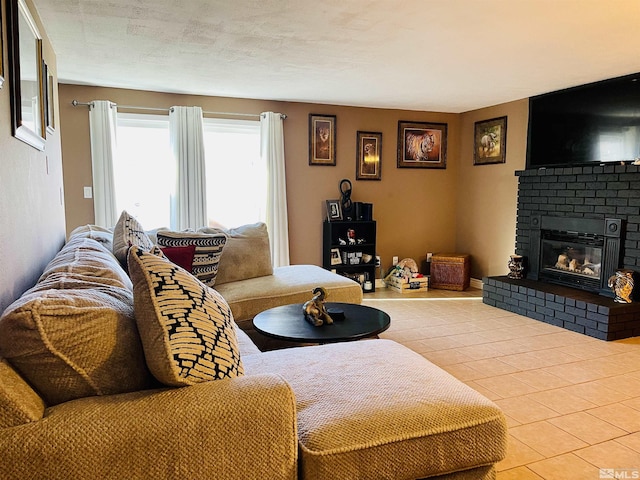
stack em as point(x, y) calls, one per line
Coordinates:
point(102, 127)
point(272, 152)
point(189, 200)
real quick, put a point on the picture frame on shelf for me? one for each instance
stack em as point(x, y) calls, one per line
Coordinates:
point(335, 257)
point(334, 210)
point(422, 145)
point(369, 155)
point(322, 139)
point(490, 141)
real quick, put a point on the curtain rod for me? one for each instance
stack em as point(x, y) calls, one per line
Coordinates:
point(76, 103)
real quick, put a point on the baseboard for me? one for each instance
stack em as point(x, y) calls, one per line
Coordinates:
point(476, 283)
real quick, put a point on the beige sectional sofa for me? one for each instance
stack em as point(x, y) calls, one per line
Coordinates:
point(77, 399)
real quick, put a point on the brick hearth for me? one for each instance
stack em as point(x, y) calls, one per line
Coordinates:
point(597, 192)
point(573, 309)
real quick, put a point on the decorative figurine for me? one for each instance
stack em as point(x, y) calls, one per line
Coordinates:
point(315, 311)
point(351, 236)
point(516, 267)
point(347, 204)
point(622, 285)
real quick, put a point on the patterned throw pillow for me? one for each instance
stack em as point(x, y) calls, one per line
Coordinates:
point(207, 255)
point(187, 329)
point(127, 233)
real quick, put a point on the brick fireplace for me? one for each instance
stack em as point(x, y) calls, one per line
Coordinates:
point(563, 200)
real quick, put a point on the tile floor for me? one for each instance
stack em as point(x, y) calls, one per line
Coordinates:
point(572, 401)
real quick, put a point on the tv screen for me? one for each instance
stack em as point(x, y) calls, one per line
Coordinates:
point(594, 123)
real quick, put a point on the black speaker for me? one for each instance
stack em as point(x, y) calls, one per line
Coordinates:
point(364, 211)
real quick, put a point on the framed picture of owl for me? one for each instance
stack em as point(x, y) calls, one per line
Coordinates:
point(422, 145)
point(322, 139)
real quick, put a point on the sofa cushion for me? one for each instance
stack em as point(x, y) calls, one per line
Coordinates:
point(207, 255)
point(187, 328)
point(391, 414)
point(127, 233)
point(72, 343)
point(246, 253)
point(19, 404)
point(86, 258)
point(94, 232)
point(291, 284)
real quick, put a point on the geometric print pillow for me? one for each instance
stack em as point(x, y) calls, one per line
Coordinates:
point(128, 232)
point(207, 255)
point(187, 329)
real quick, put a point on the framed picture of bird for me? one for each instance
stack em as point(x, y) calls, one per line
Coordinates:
point(369, 155)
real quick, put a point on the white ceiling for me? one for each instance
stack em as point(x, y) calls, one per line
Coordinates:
point(433, 55)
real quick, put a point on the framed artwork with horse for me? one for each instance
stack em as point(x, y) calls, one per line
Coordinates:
point(490, 141)
point(422, 145)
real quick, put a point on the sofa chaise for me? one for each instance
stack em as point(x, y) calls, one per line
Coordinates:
point(82, 395)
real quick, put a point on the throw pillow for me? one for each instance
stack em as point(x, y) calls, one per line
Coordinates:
point(207, 254)
point(181, 256)
point(246, 253)
point(187, 329)
point(127, 233)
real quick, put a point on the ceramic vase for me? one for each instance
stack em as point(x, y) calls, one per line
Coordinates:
point(516, 267)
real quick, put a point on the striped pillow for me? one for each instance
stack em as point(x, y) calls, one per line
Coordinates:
point(207, 255)
point(187, 329)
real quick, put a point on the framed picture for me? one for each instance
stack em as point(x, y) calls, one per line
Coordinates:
point(335, 256)
point(422, 145)
point(369, 159)
point(1, 53)
point(334, 210)
point(49, 104)
point(322, 139)
point(490, 141)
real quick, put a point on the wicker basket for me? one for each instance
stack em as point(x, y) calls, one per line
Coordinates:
point(450, 271)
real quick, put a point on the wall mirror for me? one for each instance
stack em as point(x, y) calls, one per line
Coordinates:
point(25, 74)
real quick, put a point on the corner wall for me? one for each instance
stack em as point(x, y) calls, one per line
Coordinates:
point(31, 206)
point(487, 198)
point(415, 208)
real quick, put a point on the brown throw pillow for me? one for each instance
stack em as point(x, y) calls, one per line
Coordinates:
point(187, 329)
point(128, 232)
point(246, 253)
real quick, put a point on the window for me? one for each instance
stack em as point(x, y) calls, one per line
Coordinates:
point(143, 168)
point(236, 175)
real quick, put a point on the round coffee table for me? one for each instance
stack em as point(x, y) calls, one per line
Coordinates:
point(288, 323)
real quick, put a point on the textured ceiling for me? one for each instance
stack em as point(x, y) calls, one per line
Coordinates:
point(435, 55)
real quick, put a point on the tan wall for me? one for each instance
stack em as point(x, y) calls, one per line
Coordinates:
point(486, 214)
point(31, 210)
point(415, 209)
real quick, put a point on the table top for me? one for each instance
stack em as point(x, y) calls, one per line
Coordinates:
point(288, 323)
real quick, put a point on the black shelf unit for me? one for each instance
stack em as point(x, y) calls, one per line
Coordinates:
point(365, 244)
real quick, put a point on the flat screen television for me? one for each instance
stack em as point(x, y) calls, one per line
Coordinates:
point(594, 123)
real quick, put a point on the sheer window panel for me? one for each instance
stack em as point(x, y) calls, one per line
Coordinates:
point(236, 175)
point(144, 168)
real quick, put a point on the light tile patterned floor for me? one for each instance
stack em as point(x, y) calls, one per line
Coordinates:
point(572, 402)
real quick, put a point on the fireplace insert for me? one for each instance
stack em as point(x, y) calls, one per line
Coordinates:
point(571, 258)
point(576, 252)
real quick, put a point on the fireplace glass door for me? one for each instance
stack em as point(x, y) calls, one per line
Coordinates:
point(571, 259)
